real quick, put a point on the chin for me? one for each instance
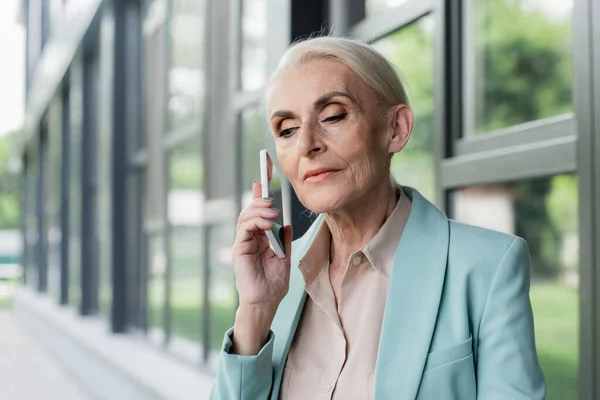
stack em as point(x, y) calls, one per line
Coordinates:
point(323, 199)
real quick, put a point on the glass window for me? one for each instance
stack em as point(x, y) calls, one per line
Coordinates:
point(254, 51)
point(75, 184)
point(53, 203)
point(254, 136)
point(519, 62)
point(186, 239)
point(223, 294)
point(412, 53)
point(545, 213)
point(31, 226)
point(104, 168)
point(186, 78)
point(157, 272)
point(378, 7)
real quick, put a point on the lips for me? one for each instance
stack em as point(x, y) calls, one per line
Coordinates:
point(318, 174)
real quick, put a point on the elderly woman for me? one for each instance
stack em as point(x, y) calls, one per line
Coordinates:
point(384, 297)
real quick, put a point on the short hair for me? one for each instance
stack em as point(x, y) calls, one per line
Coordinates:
point(369, 65)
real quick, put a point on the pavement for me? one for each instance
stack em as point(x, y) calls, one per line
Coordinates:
point(27, 371)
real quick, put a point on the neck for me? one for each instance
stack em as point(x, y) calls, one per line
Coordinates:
point(353, 226)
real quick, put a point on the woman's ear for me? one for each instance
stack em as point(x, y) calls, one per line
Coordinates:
point(402, 119)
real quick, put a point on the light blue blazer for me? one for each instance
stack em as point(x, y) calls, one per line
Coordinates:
point(457, 325)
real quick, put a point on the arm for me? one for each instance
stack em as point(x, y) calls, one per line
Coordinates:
point(242, 377)
point(507, 362)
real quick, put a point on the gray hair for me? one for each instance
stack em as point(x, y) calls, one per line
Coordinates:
point(370, 66)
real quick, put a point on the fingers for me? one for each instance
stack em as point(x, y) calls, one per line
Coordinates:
point(250, 227)
point(258, 208)
point(256, 190)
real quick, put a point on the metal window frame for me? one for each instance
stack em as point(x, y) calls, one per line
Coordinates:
point(586, 85)
point(42, 217)
point(539, 159)
point(595, 14)
point(65, 217)
point(89, 239)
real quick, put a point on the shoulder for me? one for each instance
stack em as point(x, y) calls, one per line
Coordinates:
point(473, 245)
point(477, 256)
point(479, 259)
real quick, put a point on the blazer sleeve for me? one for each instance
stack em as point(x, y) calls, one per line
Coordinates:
point(507, 361)
point(244, 377)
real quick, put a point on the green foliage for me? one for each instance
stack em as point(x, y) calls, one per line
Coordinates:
point(187, 167)
point(562, 203)
point(524, 64)
point(556, 333)
point(9, 189)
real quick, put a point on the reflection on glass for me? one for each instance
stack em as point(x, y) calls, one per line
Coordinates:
point(519, 62)
point(254, 52)
point(31, 220)
point(75, 184)
point(545, 213)
point(378, 7)
point(53, 203)
point(254, 136)
point(186, 73)
point(411, 51)
point(157, 269)
point(104, 164)
point(186, 239)
point(223, 295)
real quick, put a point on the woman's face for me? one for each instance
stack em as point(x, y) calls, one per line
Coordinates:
point(334, 141)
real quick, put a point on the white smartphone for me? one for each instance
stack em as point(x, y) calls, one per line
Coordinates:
point(272, 186)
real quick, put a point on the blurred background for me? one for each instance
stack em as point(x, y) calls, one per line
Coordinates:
point(129, 140)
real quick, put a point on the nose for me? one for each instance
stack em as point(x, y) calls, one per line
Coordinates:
point(309, 141)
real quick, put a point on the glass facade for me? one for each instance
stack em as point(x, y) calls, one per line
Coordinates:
point(376, 8)
point(75, 182)
point(53, 202)
point(186, 74)
point(253, 49)
point(186, 239)
point(146, 145)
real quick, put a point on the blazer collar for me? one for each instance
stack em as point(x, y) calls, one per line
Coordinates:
point(413, 301)
point(411, 307)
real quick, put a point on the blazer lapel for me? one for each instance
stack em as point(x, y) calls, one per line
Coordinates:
point(289, 311)
point(413, 300)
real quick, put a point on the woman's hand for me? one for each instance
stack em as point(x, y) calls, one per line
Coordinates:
point(262, 278)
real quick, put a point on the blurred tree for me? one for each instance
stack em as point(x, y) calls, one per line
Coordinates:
point(187, 167)
point(524, 63)
point(10, 189)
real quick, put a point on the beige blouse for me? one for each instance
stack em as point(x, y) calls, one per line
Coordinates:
point(334, 351)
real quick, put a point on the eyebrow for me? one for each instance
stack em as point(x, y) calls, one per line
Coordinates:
point(320, 102)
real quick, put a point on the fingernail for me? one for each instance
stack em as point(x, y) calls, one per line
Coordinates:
point(267, 199)
point(275, 210)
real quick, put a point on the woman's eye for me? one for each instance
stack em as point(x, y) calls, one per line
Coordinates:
point(286, 132)
point(335, 118)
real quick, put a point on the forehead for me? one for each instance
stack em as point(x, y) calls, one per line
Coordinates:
point(301, 86)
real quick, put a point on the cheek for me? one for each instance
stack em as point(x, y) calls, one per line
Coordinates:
point(288, 162)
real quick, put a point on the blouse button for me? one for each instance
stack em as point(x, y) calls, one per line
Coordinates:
point(327, 388)
point(356, 261)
